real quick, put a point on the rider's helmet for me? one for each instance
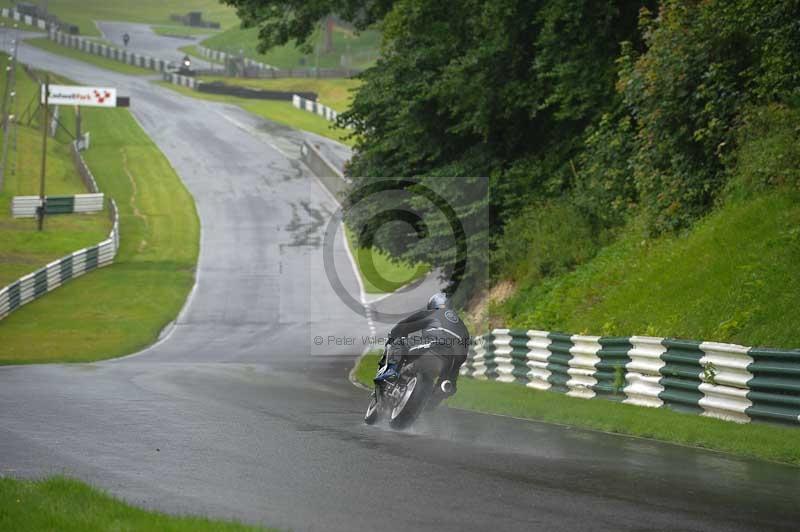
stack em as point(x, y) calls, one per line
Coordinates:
point(437, 300)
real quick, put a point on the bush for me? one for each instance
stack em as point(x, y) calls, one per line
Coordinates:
point(769, 149)
point(705, 61)
point(544, 240)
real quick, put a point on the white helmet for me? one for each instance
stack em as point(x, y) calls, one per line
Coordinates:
point(437, 300)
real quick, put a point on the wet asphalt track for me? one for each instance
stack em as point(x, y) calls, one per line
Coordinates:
point(236, 413)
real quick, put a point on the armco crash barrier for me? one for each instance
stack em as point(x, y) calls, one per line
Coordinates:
point(328, 174)
point(90, 46)
point(42, 281)
point(726, 381)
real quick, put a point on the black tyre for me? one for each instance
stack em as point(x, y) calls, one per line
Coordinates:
point(373, 410)
point(417, 393)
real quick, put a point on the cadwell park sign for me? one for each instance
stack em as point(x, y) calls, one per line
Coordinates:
point(83, 96)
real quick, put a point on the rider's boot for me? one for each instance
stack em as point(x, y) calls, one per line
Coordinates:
point(387, 373)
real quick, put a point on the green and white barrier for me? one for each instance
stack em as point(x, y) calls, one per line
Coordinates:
point(26, 206)
point(725, 381)
point(58, 272)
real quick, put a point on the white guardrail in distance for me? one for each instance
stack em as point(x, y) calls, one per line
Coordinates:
point(113, 53)
point(218, 56)
point(725, 381)
point(27, 19)
point(314, 107)
point(58, 272)
point(181, 80)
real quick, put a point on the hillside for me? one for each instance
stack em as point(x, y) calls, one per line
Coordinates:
point(734, 277)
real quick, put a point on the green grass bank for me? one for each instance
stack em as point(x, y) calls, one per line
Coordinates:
point(775, 443)
point(68, 505)
point(182, 31)
point(733, 277)
point(119, 309)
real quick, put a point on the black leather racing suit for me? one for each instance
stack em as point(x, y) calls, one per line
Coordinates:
point(440, 330)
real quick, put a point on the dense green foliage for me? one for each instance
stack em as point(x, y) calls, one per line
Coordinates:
point(282, 21)
point(598, 123)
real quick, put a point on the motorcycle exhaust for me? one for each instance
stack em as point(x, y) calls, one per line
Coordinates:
point(446, 386)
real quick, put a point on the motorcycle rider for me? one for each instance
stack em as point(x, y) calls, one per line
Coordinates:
point(437, 329)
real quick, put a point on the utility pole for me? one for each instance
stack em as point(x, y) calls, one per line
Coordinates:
point(44, 149)
point(8, 96)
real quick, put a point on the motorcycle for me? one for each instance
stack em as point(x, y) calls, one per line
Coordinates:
point(421, 385)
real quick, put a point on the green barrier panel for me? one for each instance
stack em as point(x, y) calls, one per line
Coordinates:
point(91, 258)
point(60, 205)
point(775, 386)
point(491, 365)
point(558, 361)
point(40, 282)
point(66, 269)
point(14, 296)
point(681, 375)
point(611, 370)
point(519, 355)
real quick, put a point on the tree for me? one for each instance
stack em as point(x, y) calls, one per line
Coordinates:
point(282, 21)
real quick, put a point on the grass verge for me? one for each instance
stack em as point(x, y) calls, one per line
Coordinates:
point(335, 93)
point(755, 440)
point(83, 13)
point(380, 273)
point(181, 31)
point(109, 64)
point(23, 248)
point(118, 309)
point(60, 503)
point(277, 111)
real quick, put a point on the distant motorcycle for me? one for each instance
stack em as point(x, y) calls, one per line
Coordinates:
point(421, 385)
point(126, 39)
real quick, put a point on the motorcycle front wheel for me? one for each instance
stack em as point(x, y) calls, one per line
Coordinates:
point(412, 402)
point(373, 410)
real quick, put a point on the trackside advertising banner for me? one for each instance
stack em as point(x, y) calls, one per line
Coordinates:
point(88, 96)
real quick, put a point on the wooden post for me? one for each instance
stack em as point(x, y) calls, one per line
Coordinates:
point(44, 150)
point(78, 124)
